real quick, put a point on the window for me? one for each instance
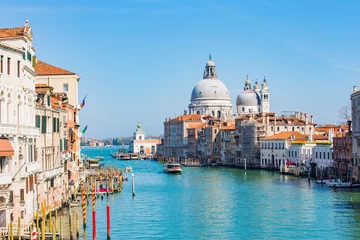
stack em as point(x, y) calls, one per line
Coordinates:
point(278, 129)
point(22, 196)
point(66, 87)
point(324, 155)
point(316, 155)
point(1, 64)
point(11, 197)
point(18, 68)
point(243, 109)
point(61, 145)
point(328, 155)
point(52, 182)
point(54, 124)
point(43, 125)
point(48, 100)
point(293, 129)
point(8, 65)
point(295, 154)
point(57, 124)
point(37, 121)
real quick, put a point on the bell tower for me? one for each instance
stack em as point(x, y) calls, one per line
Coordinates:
point(265, 97)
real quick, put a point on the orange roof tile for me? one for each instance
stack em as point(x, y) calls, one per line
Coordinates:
point(287, 135)
point(187, 117)
point(13, 32)
point(42, 68)
point(148, 141)
point(195, 125)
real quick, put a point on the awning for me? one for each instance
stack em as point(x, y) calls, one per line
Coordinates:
point(6, 149)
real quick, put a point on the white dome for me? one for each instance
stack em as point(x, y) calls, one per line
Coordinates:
point(210, 63)
point(248, 97)
point(210, 89)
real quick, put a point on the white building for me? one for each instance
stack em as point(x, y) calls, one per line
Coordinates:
point(210, 96)
point(274, 149)
point(323, 155)
point(18, 133)
point(355, 115)
point(141, 145)
point(254, 100)
point(301, 152)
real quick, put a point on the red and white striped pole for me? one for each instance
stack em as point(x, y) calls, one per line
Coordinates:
point(93, 211)
point(34, 234)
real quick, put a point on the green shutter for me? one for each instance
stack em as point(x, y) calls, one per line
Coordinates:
point(48, 100)
point(57, 125)
point(61, 146)
point(65, 144)
point(37, 121)
point(43, 125)
point(54, 124)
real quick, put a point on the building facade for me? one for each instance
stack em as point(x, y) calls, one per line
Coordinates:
point(18, 134)
point(355, 115)
point(143, 146)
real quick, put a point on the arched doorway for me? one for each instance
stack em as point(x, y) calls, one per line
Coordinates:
point(152, 149)
point(141, 149)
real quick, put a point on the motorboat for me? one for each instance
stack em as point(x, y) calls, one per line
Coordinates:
point(174, 168)
point(344, 185)
point(322, 181)
point(128, 169)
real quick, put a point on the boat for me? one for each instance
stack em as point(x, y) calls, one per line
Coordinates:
point(93, 163)
point(322, 181)
point(123, 157)
point(134, 156)
point(344, 185)
point(128, 169)
point(172, 168)
point(100, 158)
point(75, 204)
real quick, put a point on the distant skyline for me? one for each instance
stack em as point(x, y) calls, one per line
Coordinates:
point(140, 59)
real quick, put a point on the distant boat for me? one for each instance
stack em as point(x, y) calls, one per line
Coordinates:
point(128, 169)
point(174, 168)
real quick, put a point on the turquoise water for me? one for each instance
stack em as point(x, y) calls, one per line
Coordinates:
point(224, 203)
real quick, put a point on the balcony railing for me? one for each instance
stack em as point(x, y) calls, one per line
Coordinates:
point(51, 172)
point(13, 129)
point(8, 129)
point(5, 178)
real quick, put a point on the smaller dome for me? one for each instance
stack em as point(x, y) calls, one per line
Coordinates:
point(210, 63)
point(248, 98)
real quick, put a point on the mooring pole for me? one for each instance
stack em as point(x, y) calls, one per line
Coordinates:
point(133, 185)
point(108, 221)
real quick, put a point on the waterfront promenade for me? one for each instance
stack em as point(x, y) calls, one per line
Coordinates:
point(224, 203)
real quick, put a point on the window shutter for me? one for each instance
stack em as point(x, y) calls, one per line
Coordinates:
point(54, 124)
point(65, 144)
point(43, 127)
point(58, 124)
point(27, 185)
point(61, 147)
point(37, 120)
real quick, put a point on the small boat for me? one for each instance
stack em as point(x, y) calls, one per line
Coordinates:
point(322, 181)
point(172, 168)
point(75, 204)
point(128, 169)
point(100, 158)
point(134, 156)
point(344, 185)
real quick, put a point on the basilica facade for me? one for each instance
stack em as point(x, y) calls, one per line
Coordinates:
point(211, 97)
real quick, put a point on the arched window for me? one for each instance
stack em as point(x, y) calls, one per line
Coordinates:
point(218, 114)
point(152, 149)
point(213, 113)
point(198, 112)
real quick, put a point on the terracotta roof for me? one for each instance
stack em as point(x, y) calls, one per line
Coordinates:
point(148, 141)
point(187, 117)
point(287, 135)
point(17, 32)
point(42, 68)
point(195, 125)
point(228, 126)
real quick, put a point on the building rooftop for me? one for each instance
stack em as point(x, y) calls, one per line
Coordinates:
point(16, 32)
point(287, 135)
point(43, 69)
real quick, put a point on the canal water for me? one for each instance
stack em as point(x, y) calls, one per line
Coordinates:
point(223, 203)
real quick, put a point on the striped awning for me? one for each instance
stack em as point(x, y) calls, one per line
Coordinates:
point(6, 149)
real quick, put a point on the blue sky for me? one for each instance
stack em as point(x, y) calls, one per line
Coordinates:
point(139, 59)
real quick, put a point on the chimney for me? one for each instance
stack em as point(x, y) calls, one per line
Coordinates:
point(306, 118)
point(355, 89)
point(310, 136)
point(267, 119)
point(275, 120)
point(301, 115)
point(311, 118)
point(349, 126)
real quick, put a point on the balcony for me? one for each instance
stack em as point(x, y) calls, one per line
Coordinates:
point(5, 178)
point(32, 167)
point(8, 129)
point(30, 131)
point(51, 173)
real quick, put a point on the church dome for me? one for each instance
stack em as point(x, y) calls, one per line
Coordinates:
point(210, 63)
point(248, 97)
point(210, 89)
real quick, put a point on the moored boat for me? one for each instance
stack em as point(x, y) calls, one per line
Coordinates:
point(172, 168)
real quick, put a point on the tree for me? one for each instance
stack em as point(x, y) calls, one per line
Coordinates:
point(345, 113)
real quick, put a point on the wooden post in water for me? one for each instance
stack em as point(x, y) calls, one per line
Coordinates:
point(93, 213)
point(19, 229)
point(133, 184)
point(37, 222)
point(245, 164)
point(60, 227)
point(70, 225)
point(84, 207)
point(77, 225)
point(50, 222)
point(108, 220)
point(43, 222)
